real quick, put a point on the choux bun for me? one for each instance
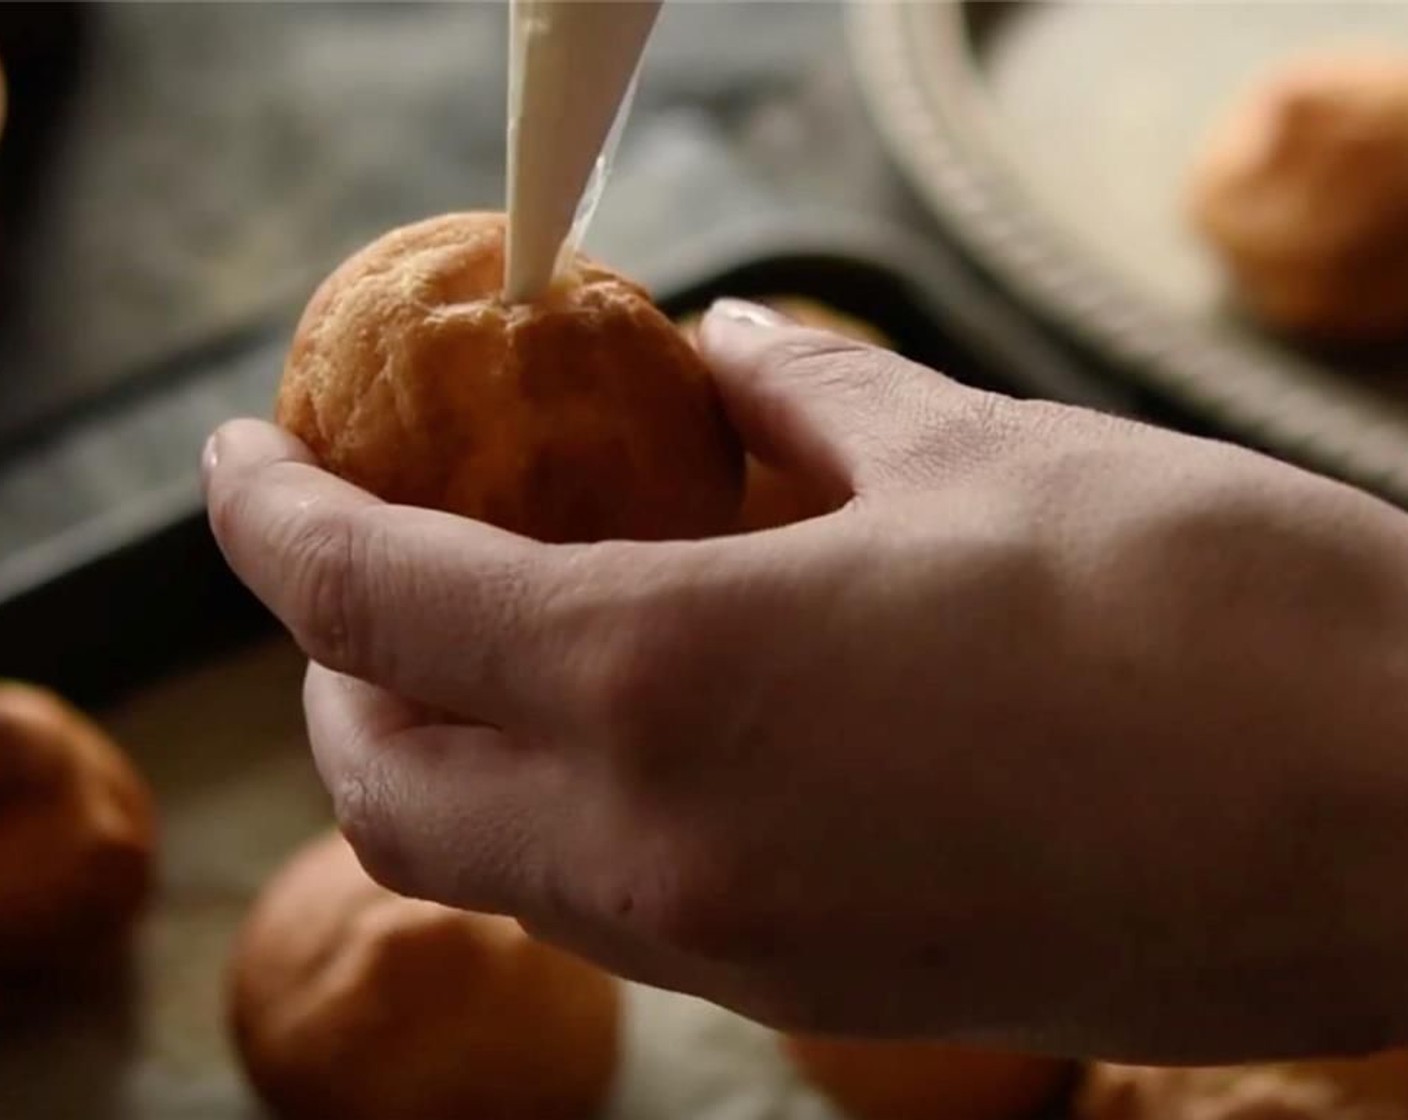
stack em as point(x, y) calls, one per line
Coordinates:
point(77, 835)
point(1302, 194)
point(581, 417)
point(926, 1080)
point(1372, 1088)
point(348, 1002)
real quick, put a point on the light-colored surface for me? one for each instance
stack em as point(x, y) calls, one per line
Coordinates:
point(571, 63)
point(1151, 80)
point(1054, 142)
point(224, 748)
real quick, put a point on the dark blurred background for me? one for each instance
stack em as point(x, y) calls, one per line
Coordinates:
point(174, 173)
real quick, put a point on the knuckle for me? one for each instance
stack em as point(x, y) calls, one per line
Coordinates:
point(1018, 422)
point(228, 506)
point(948, 434)
point(626, 652)
point(507, 594)
point(951, 435)
point(635, 681)
point(327, 612)
point(826, 360)
point(903, 410)
point(905, 462)
point(365, 819)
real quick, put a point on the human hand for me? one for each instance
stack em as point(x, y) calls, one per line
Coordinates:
point(1023, 744)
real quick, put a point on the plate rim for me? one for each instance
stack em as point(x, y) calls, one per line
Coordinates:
point(926, 116)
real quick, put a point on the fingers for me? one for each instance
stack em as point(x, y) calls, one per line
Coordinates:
point(454, 814)
point(443, 610)
point(463, 817)
point(850, 416)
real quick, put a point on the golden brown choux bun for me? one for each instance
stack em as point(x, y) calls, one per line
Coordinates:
point(1374, 1088)
point(584, 416)
point(770, 497)
point(348, 1002)
point(1302, 192)
point(926, 1080)
point(77, 835)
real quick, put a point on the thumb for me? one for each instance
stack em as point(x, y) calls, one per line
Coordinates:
point(845, 415)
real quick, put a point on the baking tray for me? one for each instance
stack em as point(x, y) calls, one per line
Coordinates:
point(146, 625)
point(1052, 141)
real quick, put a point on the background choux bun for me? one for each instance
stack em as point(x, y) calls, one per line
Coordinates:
point(348, 1002)
point(806, 312)
point(926, 1080)
point(77, 835)
point(1373, 1088)
point(1302, 193)
point(581, 417)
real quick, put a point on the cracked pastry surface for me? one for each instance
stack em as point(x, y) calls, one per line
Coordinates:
point(583, 416)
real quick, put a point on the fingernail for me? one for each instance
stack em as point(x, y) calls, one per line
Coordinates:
point(744, 311)
point(238, 446)
point(209, 457)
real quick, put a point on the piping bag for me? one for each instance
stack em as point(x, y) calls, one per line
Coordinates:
point(573, 67)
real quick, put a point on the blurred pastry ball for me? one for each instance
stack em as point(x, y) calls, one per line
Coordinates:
point(77, 835)
point(774, 498)
point(808, 313)
point(584, 416)
point(1302, 192)
point(771, 498)
point(348, 1002)
point(926, 1080)
point(1373, 1088)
